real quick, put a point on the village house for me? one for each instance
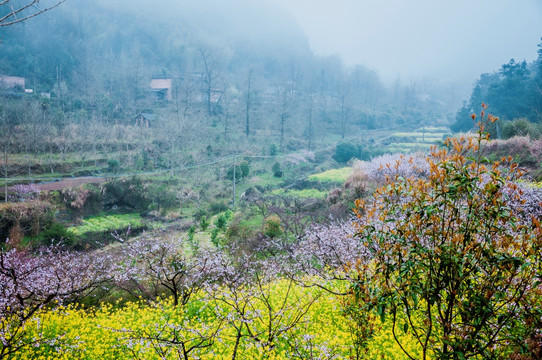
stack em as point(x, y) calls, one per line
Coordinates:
point(145, 119)
point(161, 86)
point(12, 82)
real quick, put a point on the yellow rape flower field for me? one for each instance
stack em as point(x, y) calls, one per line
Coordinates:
point(278, 321)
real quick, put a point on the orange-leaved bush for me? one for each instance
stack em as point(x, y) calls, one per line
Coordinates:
point(452, 262)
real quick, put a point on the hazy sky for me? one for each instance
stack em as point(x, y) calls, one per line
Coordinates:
point(446, 39)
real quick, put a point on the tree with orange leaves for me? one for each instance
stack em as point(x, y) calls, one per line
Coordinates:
point(453, 263)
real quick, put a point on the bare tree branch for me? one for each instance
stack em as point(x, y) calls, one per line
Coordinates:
point(19, 11)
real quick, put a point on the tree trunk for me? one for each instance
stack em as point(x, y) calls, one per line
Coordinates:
point(247, 124)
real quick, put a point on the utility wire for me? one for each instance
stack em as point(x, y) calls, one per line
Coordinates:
point(203, 164)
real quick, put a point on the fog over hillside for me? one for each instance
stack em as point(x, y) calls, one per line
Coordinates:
point(445, 42)
point(436, 50)
point(240, 23)
point(449, 40)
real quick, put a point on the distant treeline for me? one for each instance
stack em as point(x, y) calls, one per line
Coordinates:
point(513, 92)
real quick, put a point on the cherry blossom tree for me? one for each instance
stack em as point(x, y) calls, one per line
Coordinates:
point(150, 268)
point(32, 282)
point(455, 259)
point(262, 307)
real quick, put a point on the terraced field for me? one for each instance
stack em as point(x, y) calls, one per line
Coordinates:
point(418, 140)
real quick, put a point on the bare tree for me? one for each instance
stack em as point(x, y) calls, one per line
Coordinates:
point(10, 116)
point(247, 124)
point(5, 168)
point(16, 11)
point(295, 214)
point(285, 107)
point(210, 74)
point(310, 128)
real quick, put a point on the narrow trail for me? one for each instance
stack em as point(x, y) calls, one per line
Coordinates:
point(68, 183)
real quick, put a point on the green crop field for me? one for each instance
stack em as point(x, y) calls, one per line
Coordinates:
point(305, 193)
point(333, 175)
point(107, 223)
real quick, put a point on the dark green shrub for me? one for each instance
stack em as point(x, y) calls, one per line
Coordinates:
point(214, 236)
point(230, 173)
point(228, 214)
point(345, 151)
point(203, 223)
point(241, 171)
point(221, 222)
point(129, 193)
point(55, 232)
point(277, 172)
point(162, 197)
point(217, 207)
point(272, 227)
point(520, 127)
point(25, 219)
point(199, 214)
point(245, 168)
point(537, 175)
point(191, 232)
point(113, 165)
point(81, 201)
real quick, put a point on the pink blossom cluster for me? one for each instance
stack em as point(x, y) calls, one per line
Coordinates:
point(300, 157)
point(52, 274)
point(23, 192)
point(148, 267)
point(387, 166)
point(525, 199)
point(31, 281)
point(328, 251)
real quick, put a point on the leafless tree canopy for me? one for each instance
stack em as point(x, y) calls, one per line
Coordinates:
point(15, 11)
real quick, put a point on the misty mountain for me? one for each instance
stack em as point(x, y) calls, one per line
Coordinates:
point(228, 63)
point(238, 24)
point(167, 36)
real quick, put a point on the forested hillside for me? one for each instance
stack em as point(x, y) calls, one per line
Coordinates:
point(514, 92)
point(96, 60)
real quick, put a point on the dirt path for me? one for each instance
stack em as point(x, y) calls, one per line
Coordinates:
point(67, 183)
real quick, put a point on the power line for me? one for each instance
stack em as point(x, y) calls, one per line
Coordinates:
point(145, 173)
point(199, 165)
